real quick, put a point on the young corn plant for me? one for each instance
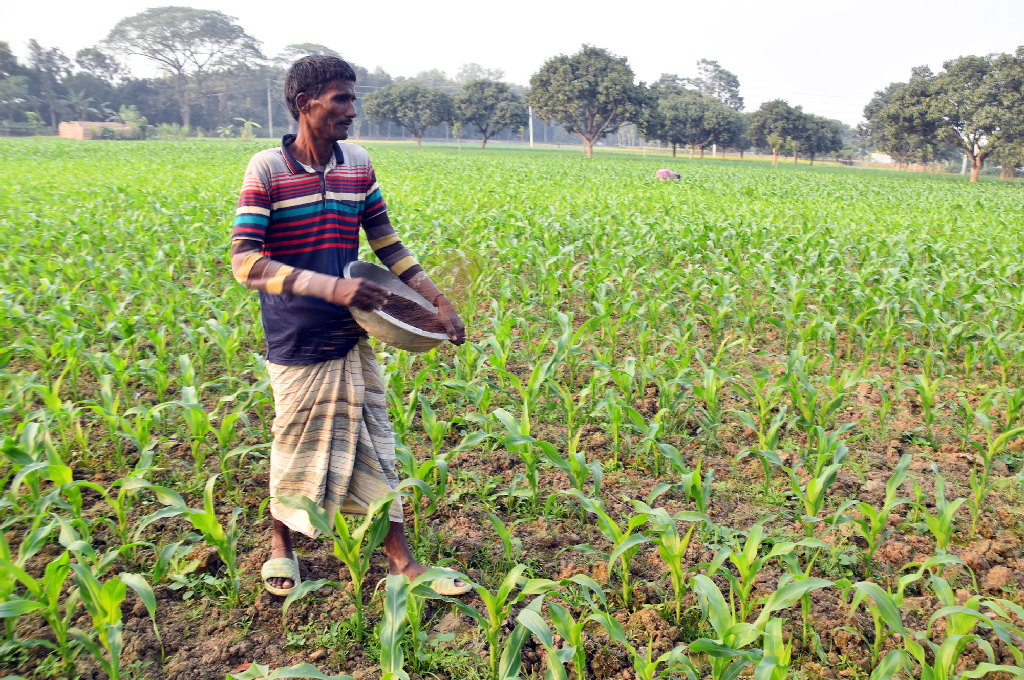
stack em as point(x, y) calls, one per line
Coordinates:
point(216, 535)
point(696, 486)
point(44, 597)
point(512, 546)
point(625, 543)
point(993, 447)
point(871, 525)
point(103, 602)
point(557, 656)
point(352, 547)
point(671, 546)
point(729, 652)
point(709, 391)
point(768, 442)
point(520, 442)
point(571, 630)
point(941, 524)
point(433, 473)
point(504, 653)
point(928, 385)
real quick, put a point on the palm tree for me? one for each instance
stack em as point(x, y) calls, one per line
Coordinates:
point(81, 104)
point(247, 126)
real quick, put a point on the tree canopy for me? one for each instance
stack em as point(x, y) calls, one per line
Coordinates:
point(590, 93)
point(410, 105)
point(490, 107)
point(183, 41)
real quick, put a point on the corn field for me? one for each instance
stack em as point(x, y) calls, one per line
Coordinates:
point(754, 423)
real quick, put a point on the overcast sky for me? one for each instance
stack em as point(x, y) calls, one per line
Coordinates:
point(828, 56)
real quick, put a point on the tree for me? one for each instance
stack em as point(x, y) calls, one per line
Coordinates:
point(80, 104)
point(901, 120)
point(49, 67)
point(978, 101)
point(822, 136)
point(100, 65)
point(775, 125)
point(410, 105)
point(714, 81)
point(590, 94)
point(470, 72)
point(184, 42)
point(691, 119)
point(490, 107)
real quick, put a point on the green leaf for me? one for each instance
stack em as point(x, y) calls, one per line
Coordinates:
point(15, 608)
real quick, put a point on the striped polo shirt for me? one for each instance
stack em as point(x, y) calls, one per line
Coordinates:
point(307, 219)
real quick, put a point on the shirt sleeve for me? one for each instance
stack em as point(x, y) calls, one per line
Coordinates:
point(252, 217)
point(374, 203)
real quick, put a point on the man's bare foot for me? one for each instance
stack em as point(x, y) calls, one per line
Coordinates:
point(400, 559)
point(281, 546)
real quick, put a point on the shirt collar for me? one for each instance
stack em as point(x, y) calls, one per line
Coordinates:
point(296, 167)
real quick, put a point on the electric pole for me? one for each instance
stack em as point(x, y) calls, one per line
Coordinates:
point(270, 111)
point(531, 126)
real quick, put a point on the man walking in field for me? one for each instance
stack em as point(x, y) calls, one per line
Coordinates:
point(297, 226)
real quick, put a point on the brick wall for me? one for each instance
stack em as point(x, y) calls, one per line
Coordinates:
point(78, 129)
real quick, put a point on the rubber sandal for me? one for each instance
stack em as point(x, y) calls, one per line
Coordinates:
point(447, 587)
point(281, 567)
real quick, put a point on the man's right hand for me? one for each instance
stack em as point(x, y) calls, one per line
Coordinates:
point(360, 293)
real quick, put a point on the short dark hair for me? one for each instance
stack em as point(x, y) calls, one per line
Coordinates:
point(311, 75)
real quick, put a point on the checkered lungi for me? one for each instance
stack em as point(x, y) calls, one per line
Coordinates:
point(332, 439)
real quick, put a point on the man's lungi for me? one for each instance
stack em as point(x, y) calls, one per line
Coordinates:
point(332, 439)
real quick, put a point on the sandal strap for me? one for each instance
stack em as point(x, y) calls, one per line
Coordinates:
point(280, 567)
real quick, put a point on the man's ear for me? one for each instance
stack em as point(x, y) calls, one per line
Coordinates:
point(302, 102)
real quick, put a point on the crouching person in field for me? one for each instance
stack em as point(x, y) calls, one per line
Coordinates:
point(299, 217)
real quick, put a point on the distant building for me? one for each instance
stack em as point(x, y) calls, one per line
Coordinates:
point(84, 129)
point(881, 158)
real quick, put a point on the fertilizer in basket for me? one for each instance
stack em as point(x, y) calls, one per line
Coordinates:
point(413, 314)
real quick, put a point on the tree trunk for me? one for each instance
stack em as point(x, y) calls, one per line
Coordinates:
point(812, 158)
point(589, 146)
point(976, 168)
point(417, 141)
point(673, 151)
point(691, 152)
point(775, 157)
point(1002, 172)
point(483, 143)
point(796, 155)
point(702, 153)
point(741, 154)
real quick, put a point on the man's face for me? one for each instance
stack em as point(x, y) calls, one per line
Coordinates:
point(332, 112)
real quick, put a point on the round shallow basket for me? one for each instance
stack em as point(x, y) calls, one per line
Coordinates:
point(386, 328)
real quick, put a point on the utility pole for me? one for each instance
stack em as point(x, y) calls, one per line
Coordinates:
point(270, 111)
point(531, 125)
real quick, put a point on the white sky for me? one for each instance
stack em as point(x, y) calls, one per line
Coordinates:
point(828, 56)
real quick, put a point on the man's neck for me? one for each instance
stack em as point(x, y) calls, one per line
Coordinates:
point(311, 150)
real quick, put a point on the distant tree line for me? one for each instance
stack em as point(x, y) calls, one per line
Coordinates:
point(974, 107)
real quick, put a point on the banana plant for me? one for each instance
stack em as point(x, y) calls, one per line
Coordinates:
point(871, 525)
point(625, 543)
point(353, 547)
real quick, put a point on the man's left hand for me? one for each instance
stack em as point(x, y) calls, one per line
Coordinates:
point(450, 318)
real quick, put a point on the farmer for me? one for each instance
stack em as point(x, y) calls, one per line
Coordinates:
point(297, 226)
